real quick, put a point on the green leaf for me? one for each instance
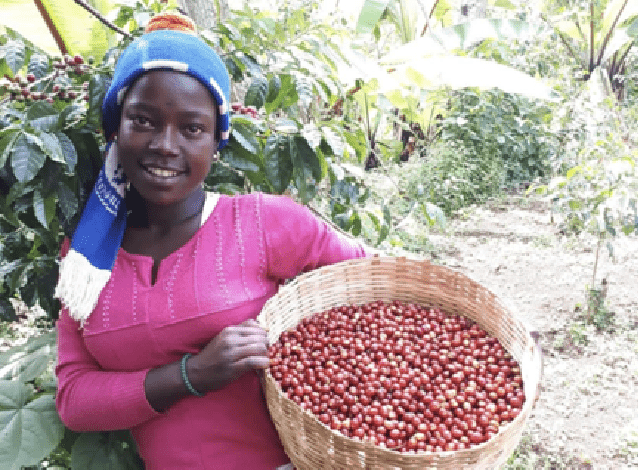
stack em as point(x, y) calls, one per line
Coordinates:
point(278, 165)
point(370, 15)
point(246, 137)
point(15, 54)
point(68, 151)
point(27, 158)
point(72, 115)
point(28, 361)
point(43, 116)
point(307, 157)
point(67, 200)
point(98, 85)
point(275, 84)
point(30, 431)
point(257, 92)
point(433, 214)
point(39, 209)
point(80, 30)
point(38, 65)
point(6, 144)
point(44, 208)
point(103, 450)
point(7, 312)
point(51, 146)
point(287, 95)
point(504, 4)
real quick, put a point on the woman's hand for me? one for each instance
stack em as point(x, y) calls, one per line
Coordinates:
point(234, 351)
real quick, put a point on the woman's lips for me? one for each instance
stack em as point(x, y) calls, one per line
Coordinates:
point(162, 172)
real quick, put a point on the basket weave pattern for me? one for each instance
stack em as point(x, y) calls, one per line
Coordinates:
point(314, 446)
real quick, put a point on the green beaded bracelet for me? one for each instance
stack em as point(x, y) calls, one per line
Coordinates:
point(185, 378)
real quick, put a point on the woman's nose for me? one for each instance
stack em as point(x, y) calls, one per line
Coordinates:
point(166, 140)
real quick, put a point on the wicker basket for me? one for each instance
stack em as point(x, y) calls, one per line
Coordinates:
point(312, 445)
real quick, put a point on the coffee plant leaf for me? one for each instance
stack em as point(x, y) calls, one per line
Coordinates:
point(44, 208)
point(275, 84)
point(286, 97)
point(98, 85)
point(14, 54)
point(68, 151)
point(307, 169)
point(103, 450)
point(245, 135)
point(257, 92)
point(39, 67)
point(278, 165)
point(28, 361)
point(7, 141)
point(7, 311)
point(43, 116)
point(30, 429)
point(72, 116)
point(310, 160)
point(27, 157)
point(50, 145)
point(304, 89)
point(67, 200)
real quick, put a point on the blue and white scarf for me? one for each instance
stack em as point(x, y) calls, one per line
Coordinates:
point(86, 268)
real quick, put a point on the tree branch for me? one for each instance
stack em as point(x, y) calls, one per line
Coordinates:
point(592, 37)
point(607, 38)
point(433, 8)
point(52, 27)
point(102, 19)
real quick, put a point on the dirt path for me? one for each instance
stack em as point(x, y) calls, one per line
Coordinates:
point(587, 414)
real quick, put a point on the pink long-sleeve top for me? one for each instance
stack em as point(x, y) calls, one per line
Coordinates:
point(223, 276)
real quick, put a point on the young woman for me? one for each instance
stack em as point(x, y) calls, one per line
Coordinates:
point(162, 282)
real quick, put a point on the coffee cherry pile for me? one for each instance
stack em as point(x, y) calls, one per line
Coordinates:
point(239, 108)
point(403, 376)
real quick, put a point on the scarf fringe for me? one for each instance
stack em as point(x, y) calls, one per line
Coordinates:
point(79, 285)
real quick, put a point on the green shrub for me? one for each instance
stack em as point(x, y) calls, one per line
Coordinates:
point(492, 125)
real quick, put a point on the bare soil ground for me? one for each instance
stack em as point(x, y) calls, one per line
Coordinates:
point(587, 414)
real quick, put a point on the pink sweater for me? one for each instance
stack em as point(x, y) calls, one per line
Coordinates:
point(222, 276)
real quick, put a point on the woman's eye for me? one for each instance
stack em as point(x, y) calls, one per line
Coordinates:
point(141, 121)
point(194, 129)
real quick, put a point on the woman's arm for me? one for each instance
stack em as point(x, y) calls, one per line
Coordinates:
point(90, 398)
point(298, 241)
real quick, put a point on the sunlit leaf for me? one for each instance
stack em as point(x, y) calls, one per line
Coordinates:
point(370, 14)
point(30, 429)
point(29, 360)
point(14, 54)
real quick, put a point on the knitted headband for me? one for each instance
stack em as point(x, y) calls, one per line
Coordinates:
point(179, 50)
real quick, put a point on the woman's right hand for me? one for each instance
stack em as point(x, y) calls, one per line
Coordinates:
point(232, 352)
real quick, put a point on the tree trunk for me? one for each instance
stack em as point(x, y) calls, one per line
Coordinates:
point(203, 12)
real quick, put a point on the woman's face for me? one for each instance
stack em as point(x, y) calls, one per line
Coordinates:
point(166, 141)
